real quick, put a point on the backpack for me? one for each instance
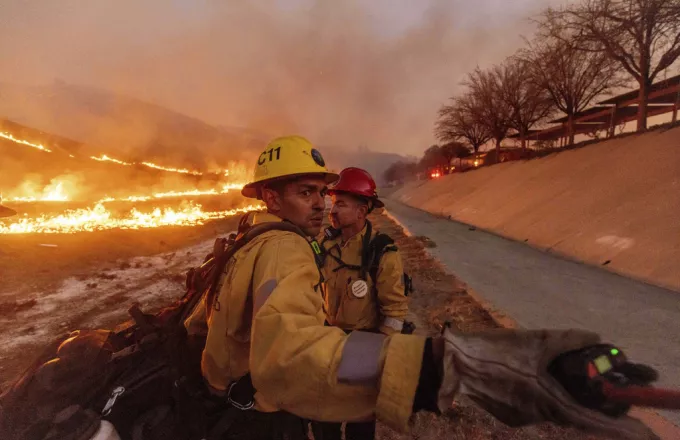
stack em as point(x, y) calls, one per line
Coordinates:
point(143, 377)
point(373, 250)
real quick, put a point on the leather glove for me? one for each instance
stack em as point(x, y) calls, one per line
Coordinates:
point(505, 372)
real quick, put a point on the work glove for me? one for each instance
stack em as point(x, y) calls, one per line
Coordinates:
point(505, 372)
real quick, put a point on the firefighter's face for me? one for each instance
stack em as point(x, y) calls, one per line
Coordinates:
point(347, 210)
point(299, 201)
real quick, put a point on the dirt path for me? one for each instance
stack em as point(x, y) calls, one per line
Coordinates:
point(541, 290)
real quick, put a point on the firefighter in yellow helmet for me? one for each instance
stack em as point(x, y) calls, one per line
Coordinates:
point(267, 323)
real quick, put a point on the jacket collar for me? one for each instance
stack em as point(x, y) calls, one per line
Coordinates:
point(265, 217)
point(356, 238)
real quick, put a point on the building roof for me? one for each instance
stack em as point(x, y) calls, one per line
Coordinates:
point(665, 90)
point(559, 131)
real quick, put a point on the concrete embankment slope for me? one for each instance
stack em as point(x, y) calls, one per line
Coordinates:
point(616, 201)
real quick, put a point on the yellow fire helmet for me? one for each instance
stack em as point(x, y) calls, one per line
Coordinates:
point(285, 157)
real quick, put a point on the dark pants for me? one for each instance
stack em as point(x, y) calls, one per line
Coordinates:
point(353, 431)
point(254, 425)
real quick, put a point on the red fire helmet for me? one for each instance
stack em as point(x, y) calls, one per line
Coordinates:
point(358, 182)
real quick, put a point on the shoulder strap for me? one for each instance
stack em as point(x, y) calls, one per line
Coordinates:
point(330, 233)
point(380, 244)
point(366, 256)
point(224, 249)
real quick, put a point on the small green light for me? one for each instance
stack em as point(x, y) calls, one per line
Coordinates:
point(615, 351)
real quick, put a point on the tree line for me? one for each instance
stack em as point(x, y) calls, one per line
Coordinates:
point(436, 156)
point(580, 52)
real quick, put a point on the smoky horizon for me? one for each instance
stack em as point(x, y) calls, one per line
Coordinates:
point(344, 74)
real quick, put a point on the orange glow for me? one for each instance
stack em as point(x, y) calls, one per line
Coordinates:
point(194, 192)
point(174, 170)
point(233, 168)
point(99, 218)
point(56, 193)
point(8, 136)
point(105, 158)
point(51, 193)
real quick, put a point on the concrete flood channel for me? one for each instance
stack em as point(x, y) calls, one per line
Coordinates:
point(541, 290)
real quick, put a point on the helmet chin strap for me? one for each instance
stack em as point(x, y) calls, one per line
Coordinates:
point(371, 206)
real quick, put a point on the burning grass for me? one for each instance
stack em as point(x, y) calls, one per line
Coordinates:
point(100, 218)
point(31, 176)
point(10, 137)
point(173, 205)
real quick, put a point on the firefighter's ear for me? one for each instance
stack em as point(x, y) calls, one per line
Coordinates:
point(271, 198)
point(364, 209)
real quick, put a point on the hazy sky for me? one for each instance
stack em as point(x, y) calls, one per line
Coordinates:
point(341, 72)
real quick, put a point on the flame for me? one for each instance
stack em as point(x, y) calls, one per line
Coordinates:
point(194, 192)
point(56, 194)
point(240, 169)
point(99, 218)
point(229, 186)
point(105, 158)
point(19, 141)
point(174, 170)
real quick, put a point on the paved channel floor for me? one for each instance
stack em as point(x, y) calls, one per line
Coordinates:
point(540, 290)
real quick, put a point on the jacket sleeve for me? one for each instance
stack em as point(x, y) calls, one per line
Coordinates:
point(315, 371)
point(390, 288)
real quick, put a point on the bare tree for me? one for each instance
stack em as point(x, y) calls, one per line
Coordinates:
point(400, 171)
point(528, 101)
point(454, 150)
point(433, 157)
point(642, 36)
point(488, 108)
point(573, 78)
point(456, 123)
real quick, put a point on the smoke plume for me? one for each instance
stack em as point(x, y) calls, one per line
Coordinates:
point(344, 73)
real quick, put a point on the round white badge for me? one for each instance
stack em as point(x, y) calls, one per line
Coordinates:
point(359, 288)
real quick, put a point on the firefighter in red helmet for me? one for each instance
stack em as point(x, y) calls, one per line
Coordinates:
point(363, 269)
point(365, 281)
